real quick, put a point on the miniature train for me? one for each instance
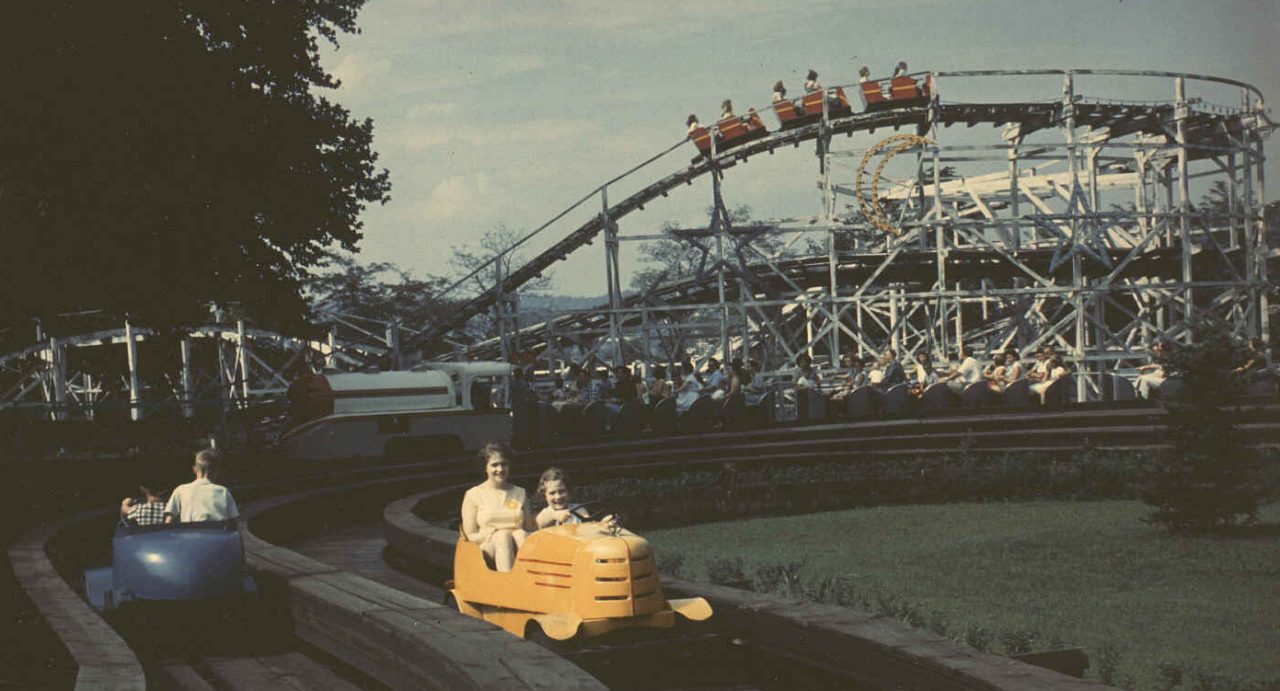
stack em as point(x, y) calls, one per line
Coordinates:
point(578, 580)
point(905, 91)
point(444, 409)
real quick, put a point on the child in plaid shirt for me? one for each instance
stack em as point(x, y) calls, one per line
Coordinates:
point(148, 512)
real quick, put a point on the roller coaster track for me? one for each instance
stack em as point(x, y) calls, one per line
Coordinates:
point(1206, 129)
point(811, 272)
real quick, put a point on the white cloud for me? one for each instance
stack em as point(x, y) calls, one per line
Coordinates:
point(521, 133)
point(661, 18)
point(360, 72)
point(516, 63)
point(431, 110)
point(452, 198)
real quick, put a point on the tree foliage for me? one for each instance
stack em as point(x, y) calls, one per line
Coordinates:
point(1210, 479)
point(479, 262)
point(674, 259)
point(495, 241)
point(157, 157)
point(378, 290)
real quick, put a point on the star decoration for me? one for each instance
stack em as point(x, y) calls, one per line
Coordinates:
point(1089, 238)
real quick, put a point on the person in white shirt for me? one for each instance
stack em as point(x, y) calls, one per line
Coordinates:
point(964, 374)
point(1006, 370)
point(1056, 370)
point(1152, 375)
point(726, 109)
point(853, 378)
point(495, 513)
point(900, 70)
point(806, 378)
point(689, 387)
point(693, 124)
point(714, 384)
point(1039, 371)
point(759, 386)
point(201, 499)
point(554, 487)
point(923, 377)
point(811, 82)
point(779, 92)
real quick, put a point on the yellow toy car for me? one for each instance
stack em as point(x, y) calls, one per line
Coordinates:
point(573, 580)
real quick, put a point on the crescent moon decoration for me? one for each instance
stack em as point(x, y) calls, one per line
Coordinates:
point(890, 147)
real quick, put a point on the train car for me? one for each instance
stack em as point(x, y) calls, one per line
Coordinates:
point(896, 92)
point(171, 562)
point(808, 109)
point(702, 139)
point(837, 103)
point(789, 115)
point(570, 581)
point(442, 409)
point(730, 132)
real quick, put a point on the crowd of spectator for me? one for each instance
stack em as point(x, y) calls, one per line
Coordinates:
point(690, 379)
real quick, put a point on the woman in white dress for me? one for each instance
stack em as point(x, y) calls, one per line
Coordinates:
point(496, 513)
point(1055, 370)
point(690, 388)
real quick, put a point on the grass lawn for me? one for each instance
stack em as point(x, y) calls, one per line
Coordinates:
point(1090, 574)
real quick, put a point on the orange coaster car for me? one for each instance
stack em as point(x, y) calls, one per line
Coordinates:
point(702, 139)
point(574, 580)
point(837, 107)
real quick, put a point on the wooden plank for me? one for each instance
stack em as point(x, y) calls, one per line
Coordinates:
point(185, 678)
point(306, 672)
point(104, 659)
point(424, 647)
point(293, 671)
point(374, 592)
point(261, 555)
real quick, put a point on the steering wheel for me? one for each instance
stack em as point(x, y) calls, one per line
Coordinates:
point(589, 511)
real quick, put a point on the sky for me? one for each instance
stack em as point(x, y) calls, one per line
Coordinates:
point(493, 114)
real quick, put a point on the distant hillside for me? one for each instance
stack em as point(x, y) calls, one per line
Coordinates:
point(560, 303)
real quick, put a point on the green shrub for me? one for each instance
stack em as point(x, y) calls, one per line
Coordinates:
point(783, 579)
point(1017, 641)
point(1106, 662)
point(772, 490)
point(671, 565)
point(977, 636)
point(727, 572)
point(1171, 674)
point(1210, 480)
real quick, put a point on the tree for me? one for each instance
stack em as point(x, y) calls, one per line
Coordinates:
point(380, 291)
point(480, 265)
point(674, 259)
point(159, 157)
point(1210, 479)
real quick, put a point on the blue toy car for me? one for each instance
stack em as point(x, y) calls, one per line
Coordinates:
point(175, 561)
